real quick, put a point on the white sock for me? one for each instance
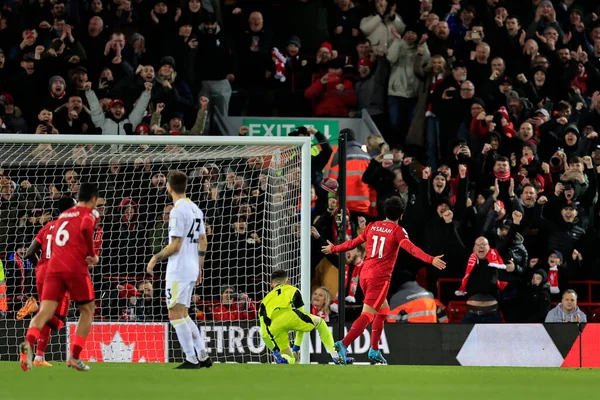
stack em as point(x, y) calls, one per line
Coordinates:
point(39, 358)
point(184, 335)
point(334, 355)
point(198, 339)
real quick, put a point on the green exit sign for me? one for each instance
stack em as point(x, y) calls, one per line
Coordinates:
point(282, 127)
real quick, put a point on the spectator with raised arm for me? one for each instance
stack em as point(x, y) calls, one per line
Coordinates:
point(114, 121)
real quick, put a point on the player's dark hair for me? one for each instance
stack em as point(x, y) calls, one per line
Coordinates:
point(177, 180)
point(393, 208)
point(87, 191)
point(279, 275)
point(64, 203)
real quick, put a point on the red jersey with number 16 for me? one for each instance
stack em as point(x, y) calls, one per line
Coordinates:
point(73, 240)
point(384, 240)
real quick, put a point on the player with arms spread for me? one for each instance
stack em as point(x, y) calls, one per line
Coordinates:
point(43, 242)
point(186, 251)
point(281, 311)
point(68, 271)
point(384, 240)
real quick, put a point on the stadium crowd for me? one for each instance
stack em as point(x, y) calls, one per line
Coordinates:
point(489, 112)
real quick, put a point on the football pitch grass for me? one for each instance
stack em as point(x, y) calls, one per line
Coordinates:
point(306, 382)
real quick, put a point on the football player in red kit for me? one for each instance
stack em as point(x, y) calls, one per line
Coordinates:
point(68, 271)
point(43, 242)
point(384, 240)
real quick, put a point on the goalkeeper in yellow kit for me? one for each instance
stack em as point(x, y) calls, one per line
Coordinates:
point(281, 311)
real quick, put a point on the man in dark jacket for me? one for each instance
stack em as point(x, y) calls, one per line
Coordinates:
point(387, 179)
point(535, 298)
point(214, 64)
point(254, 50)
point(290, 93)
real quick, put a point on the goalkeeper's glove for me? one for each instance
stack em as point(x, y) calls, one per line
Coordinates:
point(279, 359)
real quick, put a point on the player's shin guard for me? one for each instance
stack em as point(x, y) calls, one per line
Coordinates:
point(358, 327)
point(78, 343)
point(377, 328)
point(197, 339)
point(184, 335)
point(42, 342)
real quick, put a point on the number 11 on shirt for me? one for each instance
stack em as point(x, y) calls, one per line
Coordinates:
point(381, 241)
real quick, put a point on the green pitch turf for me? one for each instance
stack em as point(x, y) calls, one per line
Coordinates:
point(305, 382)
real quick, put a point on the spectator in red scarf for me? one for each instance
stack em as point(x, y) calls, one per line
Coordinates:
point(320, 303)
point(481, 283)
point(234, 306)
point(587, 76)
point(353, 295)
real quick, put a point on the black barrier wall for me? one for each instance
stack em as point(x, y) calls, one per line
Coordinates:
point(527, 345)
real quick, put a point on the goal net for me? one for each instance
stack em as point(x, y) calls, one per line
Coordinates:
point(250, 190)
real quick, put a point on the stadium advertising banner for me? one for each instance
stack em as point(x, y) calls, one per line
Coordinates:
point(282, 127)
point(525, 345)
point(124, 342)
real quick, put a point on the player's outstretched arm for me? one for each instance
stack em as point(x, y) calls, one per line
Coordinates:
point(415, 251)
point(347, 245)
point(165, 253)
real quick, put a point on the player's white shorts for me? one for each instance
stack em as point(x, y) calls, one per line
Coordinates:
point(179, 293)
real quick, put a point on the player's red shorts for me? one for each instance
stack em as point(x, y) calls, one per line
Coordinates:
point(375, 291)
point(63, 303)
point(58, 285)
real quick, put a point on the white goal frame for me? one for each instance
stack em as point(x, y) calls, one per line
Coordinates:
point(305, 192)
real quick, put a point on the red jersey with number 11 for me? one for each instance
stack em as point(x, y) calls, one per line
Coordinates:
point(384, 240)
point(73, 240)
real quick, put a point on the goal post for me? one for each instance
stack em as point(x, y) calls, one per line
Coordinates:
point(260, 183)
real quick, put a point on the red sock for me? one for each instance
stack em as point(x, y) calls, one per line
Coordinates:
point(78, 343)
point(358, 327)
point(32, 336)
point(42, 341)
point(55, 323)
point(377, 328)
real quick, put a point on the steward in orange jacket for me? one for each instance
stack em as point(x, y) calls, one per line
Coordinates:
point(412, 303)
point(358, 193)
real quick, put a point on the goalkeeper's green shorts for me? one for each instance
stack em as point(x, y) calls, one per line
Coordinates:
point(285, 321)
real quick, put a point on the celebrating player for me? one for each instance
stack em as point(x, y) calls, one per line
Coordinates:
point(43, 242)
point(185, 251)
point(281, 312)
point(384, 240)
point(72, 247)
